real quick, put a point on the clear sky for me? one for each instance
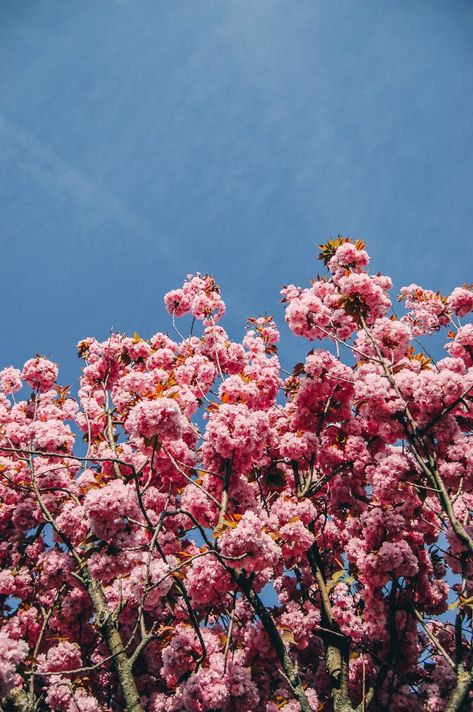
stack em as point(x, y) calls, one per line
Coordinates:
point(144, 139)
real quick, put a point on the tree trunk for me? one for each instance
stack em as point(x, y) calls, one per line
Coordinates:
point(109, 631)
point(17, 701)
point(288, 666)
point(460, 693)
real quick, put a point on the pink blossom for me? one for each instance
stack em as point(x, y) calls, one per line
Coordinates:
point(161, 418)
point(10, 380)
point(39, 373)
point(300, 621)
point(51, 436)
point(215, 687)
point(238, 434)
point(149, 582)
point(207, 689)
point(367, 293)
point(428, 311)
point(182, 651)
point(208, 497)
point(61, 697)
point(392, 558)
point(306, 314)
point(12, 653)
point(200, 296)
point(348, 256)
point(296, 539)
point(461, 301)
point(60, 658)
point(108, 508)
point(252, 543)
point(207, 580)
point(72, 521)
point(392, 337)
point(462, 346)
point(327, 389)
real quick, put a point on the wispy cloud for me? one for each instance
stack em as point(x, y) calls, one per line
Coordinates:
point(36, 162)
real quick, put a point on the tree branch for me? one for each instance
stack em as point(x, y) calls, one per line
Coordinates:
point(274, 636)
point(337, 652)
point(460, 693)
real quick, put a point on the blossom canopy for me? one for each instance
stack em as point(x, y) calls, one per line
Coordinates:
point(233, 535)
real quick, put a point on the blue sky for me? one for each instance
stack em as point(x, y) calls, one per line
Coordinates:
point(144, 139)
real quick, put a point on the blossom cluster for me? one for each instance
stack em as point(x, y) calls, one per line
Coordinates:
point(227, 528)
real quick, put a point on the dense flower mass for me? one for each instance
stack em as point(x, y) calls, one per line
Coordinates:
point(10, 380)
point(40, 373)
point(161, 418)
point(12, 652)
point(234, 536)
point(199, 296)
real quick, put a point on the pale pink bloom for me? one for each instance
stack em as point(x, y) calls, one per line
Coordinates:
point(39, 373)
point(161, 418)
point(10, 380)
point(12, 653)
point(461, 301)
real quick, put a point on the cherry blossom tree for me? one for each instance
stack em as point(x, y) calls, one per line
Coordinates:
point(203, 530)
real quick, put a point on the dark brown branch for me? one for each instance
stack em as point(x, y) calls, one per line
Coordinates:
point(337, 650)
point(290, 670)
point(104, 620)
point(224, 500)
point(460, 693)
point(108, 628)
point(445, 411)
point(17, 701)
point(414, 437)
